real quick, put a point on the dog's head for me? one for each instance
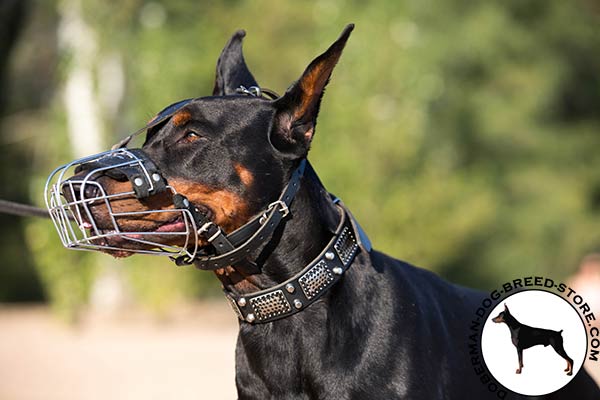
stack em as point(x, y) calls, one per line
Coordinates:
point(229, 154)
point(502, 317)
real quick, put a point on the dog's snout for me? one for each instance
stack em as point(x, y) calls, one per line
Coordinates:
point(498, 319)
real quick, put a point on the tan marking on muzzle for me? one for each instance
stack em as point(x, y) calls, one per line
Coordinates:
point(231, 211)
point(245, 175)
point(130, 203)
point(241, 282)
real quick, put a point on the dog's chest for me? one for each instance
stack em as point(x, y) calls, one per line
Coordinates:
point(514, 336)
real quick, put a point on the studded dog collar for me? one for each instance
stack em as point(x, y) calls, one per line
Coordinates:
point(306, 287)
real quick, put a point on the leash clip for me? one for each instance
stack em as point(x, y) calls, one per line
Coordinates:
point(251, 91)
point(256, 91)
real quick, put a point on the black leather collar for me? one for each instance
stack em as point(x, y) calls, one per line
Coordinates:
point(306, 287)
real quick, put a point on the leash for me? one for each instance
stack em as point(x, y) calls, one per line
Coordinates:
point(22, 210)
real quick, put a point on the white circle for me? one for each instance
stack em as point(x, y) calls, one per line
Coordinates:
point(543, 368)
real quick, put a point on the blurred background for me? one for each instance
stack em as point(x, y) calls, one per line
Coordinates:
point(463, 135)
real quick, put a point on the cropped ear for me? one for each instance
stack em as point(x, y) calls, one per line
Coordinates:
point(297, 110)
point(232, 71)
point(506, 308)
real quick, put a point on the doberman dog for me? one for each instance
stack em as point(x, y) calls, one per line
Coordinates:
point(524, 337)
point(384, 330)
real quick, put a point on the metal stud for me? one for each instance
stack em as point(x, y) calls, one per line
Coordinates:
point(138, 181)
point(329, 255)
point(186, 202)
point(250, 318)
point(290, 288)
point(338, 270)
point(241, 301)
point(297, 304)
point(155, 177)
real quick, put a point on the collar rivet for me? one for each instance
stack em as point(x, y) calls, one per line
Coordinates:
point(297, 304)
point(250, 317)
point(329, 255)
point(290, 288)
point(338, 270)
point(242, 302)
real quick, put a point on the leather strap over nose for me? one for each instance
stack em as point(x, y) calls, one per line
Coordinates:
point(145, 181)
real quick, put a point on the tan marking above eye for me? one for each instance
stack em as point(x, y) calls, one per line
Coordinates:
point(181, 117)
point(245, 175)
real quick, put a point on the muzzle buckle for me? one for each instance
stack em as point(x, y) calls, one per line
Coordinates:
point(283, 209)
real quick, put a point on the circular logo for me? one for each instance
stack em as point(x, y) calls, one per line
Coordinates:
point(534, 342)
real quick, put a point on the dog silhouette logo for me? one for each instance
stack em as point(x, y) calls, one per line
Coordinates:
point(525, 336)
point(538, 332)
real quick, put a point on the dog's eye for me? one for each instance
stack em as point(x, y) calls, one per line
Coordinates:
point(190, 136)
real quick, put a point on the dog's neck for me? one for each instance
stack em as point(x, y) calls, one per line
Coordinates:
point(511, 321)
point(295, 243)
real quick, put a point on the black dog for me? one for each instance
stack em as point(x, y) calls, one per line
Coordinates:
point(357, 324)
point(524, 337)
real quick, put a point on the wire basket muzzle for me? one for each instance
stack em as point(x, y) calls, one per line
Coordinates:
point(86, 218)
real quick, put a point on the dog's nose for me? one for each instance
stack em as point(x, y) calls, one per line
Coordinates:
point(90, 191)
point(73, 190)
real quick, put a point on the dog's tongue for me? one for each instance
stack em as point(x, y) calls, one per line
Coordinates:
point(175, 226)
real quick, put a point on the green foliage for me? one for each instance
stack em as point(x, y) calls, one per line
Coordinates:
point(461, 134)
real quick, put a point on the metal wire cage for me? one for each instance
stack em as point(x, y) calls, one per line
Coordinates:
point(72, 193)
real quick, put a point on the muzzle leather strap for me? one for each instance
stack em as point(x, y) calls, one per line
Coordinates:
point(234, 248)
point(145, 182)
point(212, 233)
